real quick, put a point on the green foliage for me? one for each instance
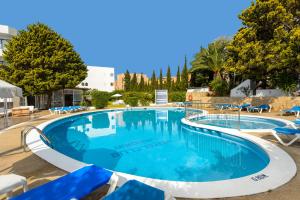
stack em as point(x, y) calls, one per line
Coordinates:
point(161, 83)
point(269, 42)
point(142, 85)
point(100, 98)
point(177, 96)
point(184, 76)
point(177, 86)
point(201, 77)
point(133, 83)
point(287, 81)
point(169, 79)
point(145, 98)
point(127, 81)
point(219, 87)
point(211, 58)
point(136, 98)
point(153, 81)
point(41, 61)
point(133, 101)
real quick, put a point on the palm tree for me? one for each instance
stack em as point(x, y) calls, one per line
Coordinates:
point(211, 58)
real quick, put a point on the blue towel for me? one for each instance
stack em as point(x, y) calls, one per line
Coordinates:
point(287, 131)
point(77, 185)
point(135, 190)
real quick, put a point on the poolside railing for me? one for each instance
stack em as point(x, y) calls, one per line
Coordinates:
point(223, 114)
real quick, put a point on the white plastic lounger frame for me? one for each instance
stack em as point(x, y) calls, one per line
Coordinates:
point(276, 135)
point(112, 183)
point(10, 182)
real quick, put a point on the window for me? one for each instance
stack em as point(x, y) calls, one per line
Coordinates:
point(82, 84)
point(2, 43)
point(111, 84)
point(111, 74)
point(86, 84)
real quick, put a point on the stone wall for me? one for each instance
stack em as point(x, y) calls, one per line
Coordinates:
point(277, 103)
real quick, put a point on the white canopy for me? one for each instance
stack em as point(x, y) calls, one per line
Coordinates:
point(8, 90)
point(116, 95)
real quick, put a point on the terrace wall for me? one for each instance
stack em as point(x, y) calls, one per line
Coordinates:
point(277, 103)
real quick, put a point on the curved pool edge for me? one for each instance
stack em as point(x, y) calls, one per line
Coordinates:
point(280, 170)
point(286, 122)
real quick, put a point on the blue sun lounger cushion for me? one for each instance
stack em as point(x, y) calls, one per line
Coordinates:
point(295, 133)
point(75, 185)
point(135, 190)
point(287, 131)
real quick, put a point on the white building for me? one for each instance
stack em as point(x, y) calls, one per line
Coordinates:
point(6, 33)
point(100, 78)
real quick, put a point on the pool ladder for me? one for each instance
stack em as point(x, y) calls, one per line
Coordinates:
point(27, 130)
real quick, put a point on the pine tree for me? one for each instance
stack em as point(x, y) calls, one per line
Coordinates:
point(153, 81)
point(160, 79)
point(173, 85)
point(142, 83)
point(169, 79)
point(127, 81)
point(184, 76)
point(177, 84)
point(133, 83)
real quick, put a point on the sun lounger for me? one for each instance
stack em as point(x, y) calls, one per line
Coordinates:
point(10, 182)
point(75, 185)
point(260, 108)
point(223, 106)
point(244, 106)
point(294, 110)
point(287, 132)
point(135, 190)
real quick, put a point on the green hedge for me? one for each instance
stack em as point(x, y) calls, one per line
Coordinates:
point(177, 96)
point(220, 87)
point(138, 98)
point(99, 98)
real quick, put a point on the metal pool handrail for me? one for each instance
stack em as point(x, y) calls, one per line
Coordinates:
point(25, 132)
point(194, 109)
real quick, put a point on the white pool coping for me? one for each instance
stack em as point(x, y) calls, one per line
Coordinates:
point(286, 122)
point(280, 170)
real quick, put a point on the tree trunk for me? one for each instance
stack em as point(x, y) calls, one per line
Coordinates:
point(49, 100)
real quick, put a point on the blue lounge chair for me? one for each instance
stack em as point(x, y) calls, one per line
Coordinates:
point(294, 110)
point(135, 190)
point(244, 106)
point(75, 185)
point(287, 132)
point(260, 108)
point(223, 106)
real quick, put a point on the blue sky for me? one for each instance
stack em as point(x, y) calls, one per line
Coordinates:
point(138, 35)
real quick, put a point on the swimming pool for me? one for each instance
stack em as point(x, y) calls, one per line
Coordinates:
point(246, 122)
point(153, 143)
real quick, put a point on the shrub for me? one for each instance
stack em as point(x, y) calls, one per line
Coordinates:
point(100, 98)
point(177, 96)
point(145, 99)
point(219, 87)
point(136, 98)
point(133, 101)
point(131, 98)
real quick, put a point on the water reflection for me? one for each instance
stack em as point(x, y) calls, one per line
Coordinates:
point(154, 143)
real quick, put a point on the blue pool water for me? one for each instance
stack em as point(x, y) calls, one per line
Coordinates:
point(153, 143)
point(245, 122)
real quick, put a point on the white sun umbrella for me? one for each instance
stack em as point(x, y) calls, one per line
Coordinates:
point(8, 90)
point(116, 95)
